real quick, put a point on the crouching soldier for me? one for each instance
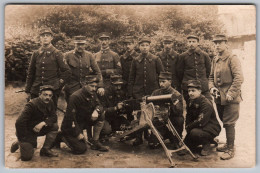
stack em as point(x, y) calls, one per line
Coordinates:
point(37, 119)
point(202, 125)
point(83, 110)
point(176, 112)
point(114, 106)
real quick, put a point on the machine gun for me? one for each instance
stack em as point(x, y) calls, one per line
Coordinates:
point(148, 113)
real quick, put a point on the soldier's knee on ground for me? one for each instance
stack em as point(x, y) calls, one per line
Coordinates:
point(80, 149)
point(106, 128)
point(26, 150)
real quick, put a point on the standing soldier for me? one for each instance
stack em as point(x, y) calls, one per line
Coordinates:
point(81, 63)
point(201, 123)
point(107, 60)
point(84, 109)
point(127, 58)
point(144, 75)
point(176, 111)
point(169, 58)
point(194, 64)
point(225, 80)
point(37, 119)
point(47, 67)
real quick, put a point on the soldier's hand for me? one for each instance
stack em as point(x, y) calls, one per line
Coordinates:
point(120, 105)
point(61, 81)
point(94, 115)
point(101, 91)
point(213, 90)
point(39, 126)
point(80, 136)
point(229, 98)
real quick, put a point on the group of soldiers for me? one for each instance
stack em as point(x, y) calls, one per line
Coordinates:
point(96, 85)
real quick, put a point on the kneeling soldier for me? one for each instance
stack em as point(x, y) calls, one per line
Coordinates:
point(202, 125)
point(83, 110)
point(176, 111)
point(37, 119)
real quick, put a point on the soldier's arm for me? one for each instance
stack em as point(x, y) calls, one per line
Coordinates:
point(211, 76)
point(159, 66)
point(22, 122)
point(179, 70)
point(131, 79)
point(96, 69)
point(207, 65)
point(53, 116)
point(117, 64)
point(175, 80)
point(31, 73)
point(206, 108)
point(177, 106)
point(63, 67)
point(238, 79)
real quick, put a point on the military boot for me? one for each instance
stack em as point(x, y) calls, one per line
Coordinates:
point(48, 143)
point(98, 146)
point(15, 146)
point(205, 149)
point(222, 148)
point(229, 153)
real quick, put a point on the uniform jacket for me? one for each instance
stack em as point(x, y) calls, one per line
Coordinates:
point(108, 62)
point(81, 105)
point(81, 65)
point(169, 61)
point(35, 111)
point(144, 74)
point(176, 110)
point(209, 121)
point(126, 61)
point(46, 68)
point(194, 66)
point(226, 75)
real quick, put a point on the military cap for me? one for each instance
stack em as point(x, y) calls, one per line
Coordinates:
point(145, 39)
point(104, 35)
point(116, 79)
point(194, 84)
point(167, 38)
point(128, 39)
point(219, 37)
point(91, 79)
point(193, 36)
point(80, 39)
point(46, 30)
point(165, 75)
point(46, 87)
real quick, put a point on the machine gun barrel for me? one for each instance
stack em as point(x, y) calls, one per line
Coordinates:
point(158, 98)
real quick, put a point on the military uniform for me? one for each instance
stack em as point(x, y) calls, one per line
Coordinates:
point(82, 104)
point(143, 79)
point(226, 75)
point(35, 112)
point(47, 67)
point(194, 65)
point(201, 123)
point(81, 65)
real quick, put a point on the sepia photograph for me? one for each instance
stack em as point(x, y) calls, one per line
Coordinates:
point(129, 86)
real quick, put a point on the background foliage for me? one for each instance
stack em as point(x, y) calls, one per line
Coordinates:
point(22, 23)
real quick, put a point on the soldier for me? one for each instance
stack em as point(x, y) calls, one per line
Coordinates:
point(37, 119)
point(107, 60)
point(114, 107)
point(194, 64)
point(201, 123)
point(169, 58)
point(81, 63)
point(127, 58)
point(225, 79)
point(144, 75)
point(83, 110)
point(47, 67)
point(176, 111)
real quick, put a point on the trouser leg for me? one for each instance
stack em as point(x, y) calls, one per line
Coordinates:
point(26, 150)
point(97, 129)
point(76, 146)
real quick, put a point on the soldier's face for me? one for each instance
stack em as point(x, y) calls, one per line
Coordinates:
point(194, 93)
point(80, 47)
point(130, 46)
point(164, 84)
point(144, 47)
point(220, 46)
point(104, 42)
point(46, 96)
point(167, 45)
point(46, 38)
point(193, 43)
point(92, 87)
point(118, 87)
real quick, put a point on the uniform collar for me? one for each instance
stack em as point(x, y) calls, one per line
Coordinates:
point(106, 50)
point(78, 54)
point(164, 53)
point(141, 57)
point(224, 55)
point(48, 50)
point(197, 50)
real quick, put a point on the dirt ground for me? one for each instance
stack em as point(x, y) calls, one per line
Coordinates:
point(123, 155)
